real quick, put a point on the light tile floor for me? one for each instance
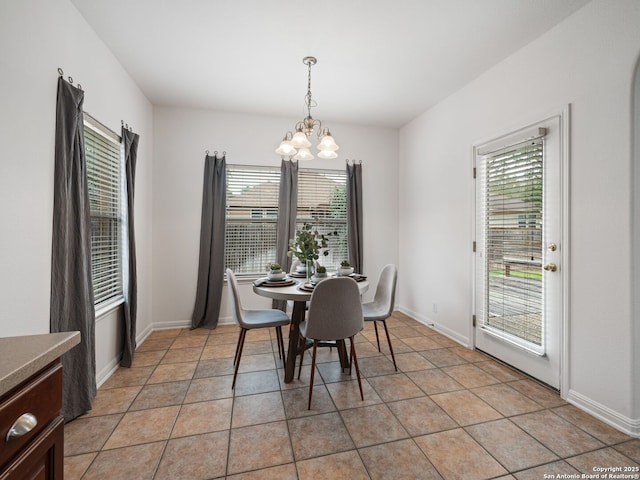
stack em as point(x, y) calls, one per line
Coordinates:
point(448, 413)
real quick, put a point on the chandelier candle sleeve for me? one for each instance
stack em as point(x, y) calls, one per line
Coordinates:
point(297, 145)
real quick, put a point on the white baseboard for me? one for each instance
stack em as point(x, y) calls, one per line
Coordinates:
point(456, 337)
point(620, 422)
point(108, 370)
point(228, 320)
point(142, 336)
point(169, 325)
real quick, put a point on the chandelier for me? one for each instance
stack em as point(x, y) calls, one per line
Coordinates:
point(297, 145)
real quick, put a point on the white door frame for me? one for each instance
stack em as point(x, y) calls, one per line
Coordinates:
point(564, 115)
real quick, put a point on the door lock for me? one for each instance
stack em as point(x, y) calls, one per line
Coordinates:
point(552, 247)
point(551, 267)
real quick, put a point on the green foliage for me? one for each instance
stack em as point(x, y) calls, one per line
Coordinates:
point(307, 244)
point(321, 269)
point(338, 202)
point(345, 263)
point(273, 266)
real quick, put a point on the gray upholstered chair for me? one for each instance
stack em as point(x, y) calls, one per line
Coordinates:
point(335, 313)
point(252, 319)
point(383, 302)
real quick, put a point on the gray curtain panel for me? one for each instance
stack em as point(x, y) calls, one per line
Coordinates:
point(212, 231)
point(130, 143)
point(354, 215)
point(287, 211)
point(72, 298)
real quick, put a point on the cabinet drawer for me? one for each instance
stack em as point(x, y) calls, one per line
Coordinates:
point(40, 396)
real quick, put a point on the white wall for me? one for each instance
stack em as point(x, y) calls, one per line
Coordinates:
point(587, 61)
point(181, 137)
point(37, 37)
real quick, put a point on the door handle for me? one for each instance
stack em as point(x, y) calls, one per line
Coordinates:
point(551, 267)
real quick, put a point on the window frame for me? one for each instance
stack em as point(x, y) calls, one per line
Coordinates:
point(258, 216)
point(93, 127)
point(326, 224)
point(268, 217)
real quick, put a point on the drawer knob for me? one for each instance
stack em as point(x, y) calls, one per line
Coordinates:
point(22, 426)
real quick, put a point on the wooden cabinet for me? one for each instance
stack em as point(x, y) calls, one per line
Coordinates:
point(35, 451)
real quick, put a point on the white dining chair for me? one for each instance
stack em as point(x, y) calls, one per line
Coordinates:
point(335, 313)
point(382, 305)
point(252, 319)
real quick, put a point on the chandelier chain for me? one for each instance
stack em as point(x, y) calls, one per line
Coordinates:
point(308, 97)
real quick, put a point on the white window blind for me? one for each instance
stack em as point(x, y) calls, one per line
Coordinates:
point(510, 242)
point(104, 175)
point(322, 202)
point(252, 216)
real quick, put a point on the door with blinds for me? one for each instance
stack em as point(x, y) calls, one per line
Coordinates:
point(519, 244)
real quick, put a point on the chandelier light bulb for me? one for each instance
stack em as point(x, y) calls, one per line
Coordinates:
point(327, 143)
point(299, 140)
point(303, 154)
point(327, 154)
point(286, 148)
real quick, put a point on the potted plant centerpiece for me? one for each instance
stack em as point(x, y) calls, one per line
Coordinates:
point(321, 272)
point(345, 268)
point(275, 271)
point(306, 247)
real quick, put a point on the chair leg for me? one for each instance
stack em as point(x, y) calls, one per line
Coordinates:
point(278, 338)
point(302, 342)
point(393, 357)
point(243, 333)
point(281, 344)
point(351, 350)
point(355, 361)
point(313, 369)
point(235, 357)
point(375, 326)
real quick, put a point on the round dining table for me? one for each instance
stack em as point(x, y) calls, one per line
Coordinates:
point(300, 297)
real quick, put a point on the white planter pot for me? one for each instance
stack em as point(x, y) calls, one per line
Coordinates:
point(276, 275)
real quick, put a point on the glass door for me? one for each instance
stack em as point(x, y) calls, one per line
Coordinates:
point(518, 302)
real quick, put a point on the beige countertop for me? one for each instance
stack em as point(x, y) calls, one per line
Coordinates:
point(22, 357)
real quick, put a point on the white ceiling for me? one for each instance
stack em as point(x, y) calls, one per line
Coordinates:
point(380, 62)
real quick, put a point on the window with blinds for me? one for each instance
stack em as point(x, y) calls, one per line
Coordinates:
point(510, 228)
point(104, 175)
point(322, 202)
point(252, 216)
